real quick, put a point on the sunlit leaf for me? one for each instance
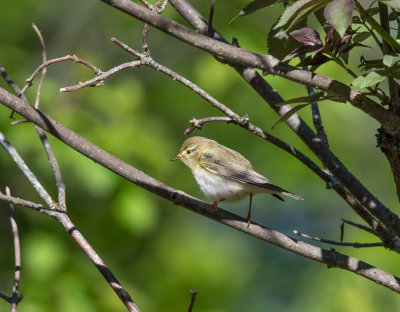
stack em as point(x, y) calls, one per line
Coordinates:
point(394, 4)
point(339, 13)
point(303, 99)
point(298, 11)
point(288, 114)
point(254, 6)
point(307, 36)
point(390, 60)
point(369, 80)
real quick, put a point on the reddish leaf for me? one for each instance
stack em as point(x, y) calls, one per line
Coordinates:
point(307, 36)
point(329, 35)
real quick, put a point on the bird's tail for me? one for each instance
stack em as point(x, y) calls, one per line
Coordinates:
point(292, 195)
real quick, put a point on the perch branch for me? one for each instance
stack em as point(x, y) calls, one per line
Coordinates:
point(329, 257)
point(322, 151)
point(385, 235)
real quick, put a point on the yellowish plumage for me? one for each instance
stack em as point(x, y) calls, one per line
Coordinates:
point(224, 174)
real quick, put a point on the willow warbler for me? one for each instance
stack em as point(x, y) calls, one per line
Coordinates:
point(224, 174)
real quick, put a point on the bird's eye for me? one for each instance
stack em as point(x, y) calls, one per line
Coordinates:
point(188, 151)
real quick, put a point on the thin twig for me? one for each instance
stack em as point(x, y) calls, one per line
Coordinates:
point(42, 135)
point(72, 58)
point(11, 83)
point(327, 241)
point(210, 17)
point(235, 118)
point(319, 126)
point(27, 172)
point(198, 123)
point(361, 226)
point(97, 261)
point(147, 4)
point(44, 60)
point(15, 299)
point(360, 198)
point(99, 80)
point(193, 294)
point(29, 204)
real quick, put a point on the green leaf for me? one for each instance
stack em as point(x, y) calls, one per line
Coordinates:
point(390, 60)
point(378, 28)
point(254, 6)
point(303, 99)
point(298, 11)
point(394, 4)
point(280, 44)
point(360, 37)
point(339, 14)
point(370, 80)
point(288, 114)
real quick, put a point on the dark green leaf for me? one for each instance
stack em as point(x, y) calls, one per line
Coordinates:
point(360, 37)
point(299, 11)
point(288, 114)
point(254, 6)
point(307, 99)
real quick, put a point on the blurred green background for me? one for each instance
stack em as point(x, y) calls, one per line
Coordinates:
point(159, 251)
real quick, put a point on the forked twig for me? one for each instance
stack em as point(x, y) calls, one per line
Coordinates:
point(327, 241)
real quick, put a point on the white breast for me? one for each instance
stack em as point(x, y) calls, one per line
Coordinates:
point(218, 188)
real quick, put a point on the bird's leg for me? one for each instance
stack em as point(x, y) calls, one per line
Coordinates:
point(215, 203)
point(249, 214)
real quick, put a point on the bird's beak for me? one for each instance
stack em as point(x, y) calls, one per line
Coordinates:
point(179, 157)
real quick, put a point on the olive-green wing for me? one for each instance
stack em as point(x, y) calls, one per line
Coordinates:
point(249, 176)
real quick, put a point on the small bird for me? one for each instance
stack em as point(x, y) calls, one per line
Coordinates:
point(224, 174)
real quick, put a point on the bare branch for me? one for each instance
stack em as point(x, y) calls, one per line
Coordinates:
point(360, 226)
point(97, 261)
point(45, 141)
point(193, 294)
point(29, 204)
point(210, 17)
point(327, 241)
point(386, 236)
point(359, 197)
point(331, 258)
point(198, 123)
point(316, 113)
point(44, 60)
point(268, 64)
point(26, 171)
point(15, 299)
point(72, 58)
point(99, 79)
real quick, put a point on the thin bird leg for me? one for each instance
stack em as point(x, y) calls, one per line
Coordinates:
point(215, 203)
point(249, 214)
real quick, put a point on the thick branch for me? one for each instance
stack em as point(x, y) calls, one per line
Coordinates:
point(268, 64)
point(331, 258)
point(320, 149)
